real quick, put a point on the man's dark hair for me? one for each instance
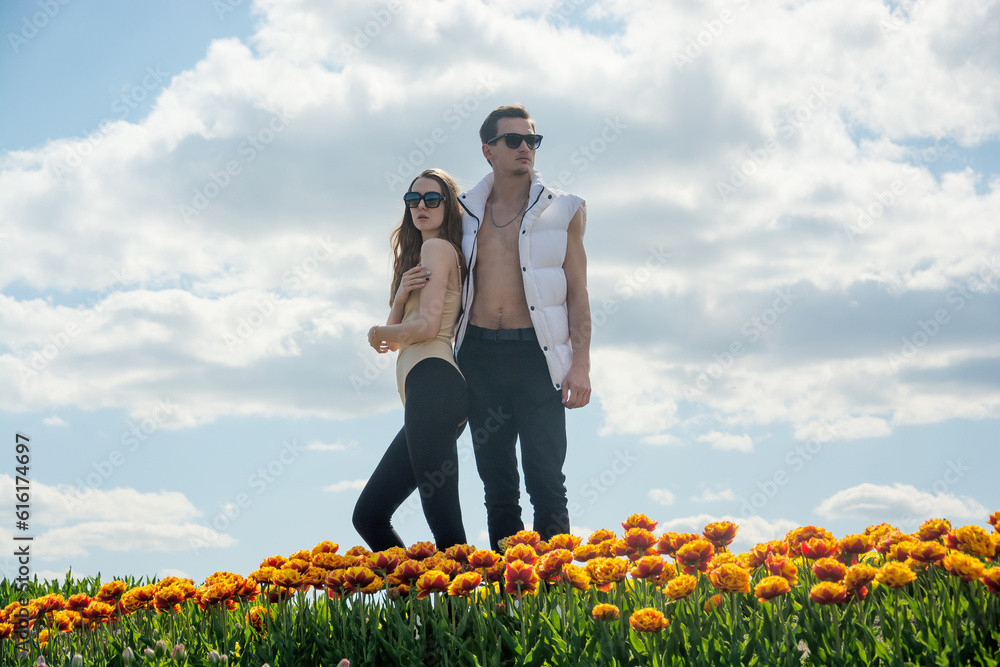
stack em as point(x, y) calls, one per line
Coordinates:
point(489, 127)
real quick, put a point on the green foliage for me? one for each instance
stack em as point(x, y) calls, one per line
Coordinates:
point(936, 620)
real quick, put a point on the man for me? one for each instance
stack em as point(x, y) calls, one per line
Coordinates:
point(523, 341)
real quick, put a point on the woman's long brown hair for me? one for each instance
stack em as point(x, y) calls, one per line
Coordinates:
point(406, 239)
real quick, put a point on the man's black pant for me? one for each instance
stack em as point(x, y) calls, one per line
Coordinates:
point(512, 396)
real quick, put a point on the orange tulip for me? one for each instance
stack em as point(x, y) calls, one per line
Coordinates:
point(564, 541)
point(382, 561)
point(730, 578)
point(928, 552)
point(991, 579)
point(648, 567)
point(421, 550)
point(782, 566)
point(460, 552)
point(551, 564)
point(972, 540)
point(818, 547)
point(771, 587)
point(465, 584)
point(407, 572)
point(681, 586)
point(586, 552)
point(720, 533)
point(528, 537)
point(855, 545)
point(357, 578)
point(601, 535)
point(858, 576)
point(484, 559)
point(669, 543)
point(648, 620)
point(695, 555)
point(933, 529)
point(963, 566)
point(605, 612)
point(576, 577)
point(520, 578)
point(259, 619)
point(432, 581)
point(325, 547)
point(895, 575)
point(520, 551)
point(829, 569)
point(828, 592)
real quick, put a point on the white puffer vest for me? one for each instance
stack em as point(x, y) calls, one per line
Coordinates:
point(542, 249)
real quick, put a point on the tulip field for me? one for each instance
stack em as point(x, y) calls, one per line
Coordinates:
point(628, 597)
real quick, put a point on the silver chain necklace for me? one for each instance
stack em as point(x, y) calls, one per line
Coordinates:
point(520, 212)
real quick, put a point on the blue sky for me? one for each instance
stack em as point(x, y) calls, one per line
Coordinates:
point(793, 260)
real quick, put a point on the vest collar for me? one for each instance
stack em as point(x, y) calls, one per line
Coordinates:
point(474, 201)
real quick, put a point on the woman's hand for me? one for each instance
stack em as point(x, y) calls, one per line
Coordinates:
point(413, 279)
point(376, 342)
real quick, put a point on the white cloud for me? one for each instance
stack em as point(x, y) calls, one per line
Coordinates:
point(728, 441)
point(330, 447)
point(662, 496)
point(899, 503)
point(58, 505)
point(345, 485)
point(634, 391)
point(662, 440)
point(54, 420)
point(290, 280)
point(846, 428)
point(709, 496)
point(78, 540)
point(76, 521)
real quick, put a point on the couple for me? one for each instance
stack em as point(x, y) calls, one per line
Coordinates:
point(502, 269)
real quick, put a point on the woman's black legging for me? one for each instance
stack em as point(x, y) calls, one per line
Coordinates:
point(424, 456)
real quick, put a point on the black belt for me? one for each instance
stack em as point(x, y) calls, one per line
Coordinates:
point(501, 334)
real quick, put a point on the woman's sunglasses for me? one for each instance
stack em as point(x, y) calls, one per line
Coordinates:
point(514, 140)
point(431, 199)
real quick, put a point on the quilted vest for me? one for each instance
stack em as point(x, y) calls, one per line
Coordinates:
point(542, 249)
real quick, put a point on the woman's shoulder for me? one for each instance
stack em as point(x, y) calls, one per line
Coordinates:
point(438, 248)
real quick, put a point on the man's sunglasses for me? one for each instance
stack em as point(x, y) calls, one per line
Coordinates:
point(514, 140)
point(431, 199)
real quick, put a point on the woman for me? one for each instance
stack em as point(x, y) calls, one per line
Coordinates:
point(427, 284)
